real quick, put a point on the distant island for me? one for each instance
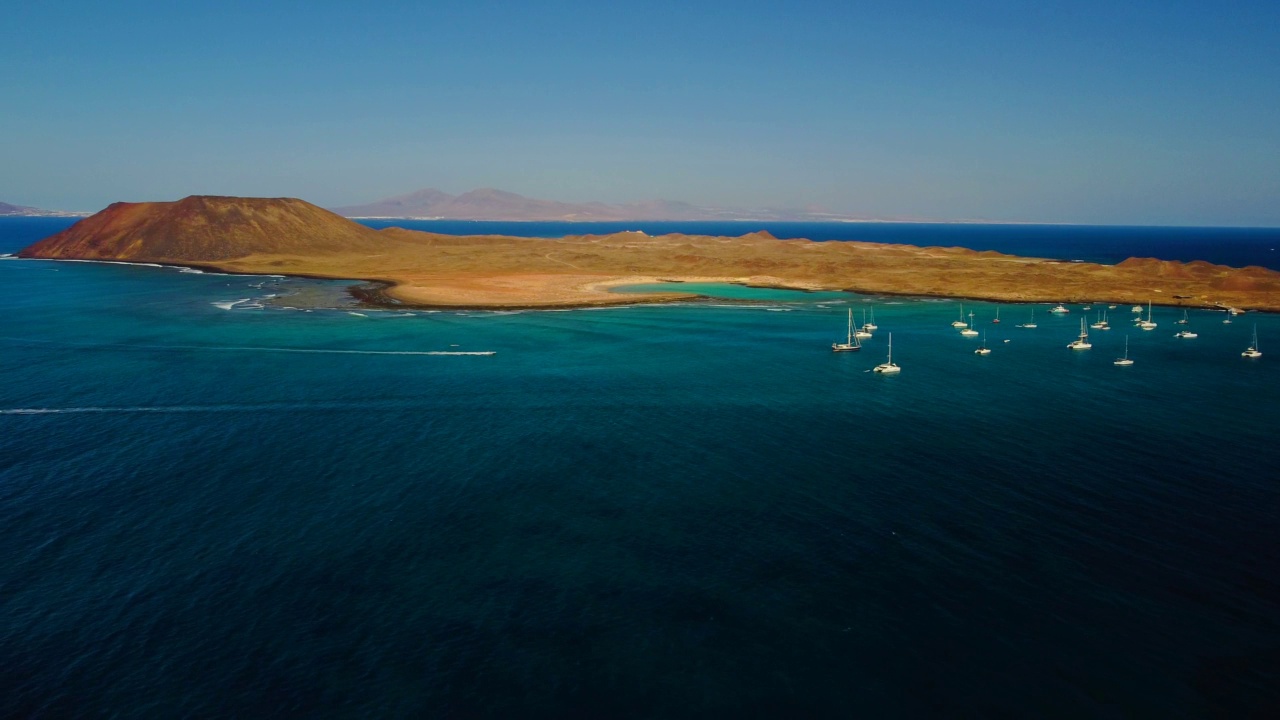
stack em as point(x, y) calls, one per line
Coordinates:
point(9, 210)
point(290, 236)
point(491, 204)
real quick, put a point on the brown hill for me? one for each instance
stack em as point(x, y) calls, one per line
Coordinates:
point(257, 235)
point(205, 229)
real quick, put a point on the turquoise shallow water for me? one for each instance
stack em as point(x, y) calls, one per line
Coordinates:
point(634, 512)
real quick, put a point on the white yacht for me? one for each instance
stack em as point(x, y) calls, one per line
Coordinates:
point(983, 349)
point(1060, 309)
point(1148, 324)
point(888, 367)
point(1124, 360)
point(969, 331)
point(1185, 335)
point(1253, 351)
point(862, 332)
point(1032, 322)
point(1082, 342)
point(960, 323)
point(1137, 309)
point(851, 343)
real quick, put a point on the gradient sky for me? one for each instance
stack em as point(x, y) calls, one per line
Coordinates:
point(1086, 111)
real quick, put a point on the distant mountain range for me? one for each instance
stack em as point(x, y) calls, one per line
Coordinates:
point(8, 210)
point(490, 204)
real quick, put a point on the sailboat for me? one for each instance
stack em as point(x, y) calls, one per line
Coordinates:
point(1082, 342)
point(1184, 319)
point(872, 324)
point(1124, 360)
point(969, 331)
point(1147, 324)
point(862, 332)
point(851, 343)
point(983, 349)
point(1227, 319)
point(960, 323)
point(996, 321)
point(888, 367)
point(1031, 323)
point(1101, 324)
point(1253, 351)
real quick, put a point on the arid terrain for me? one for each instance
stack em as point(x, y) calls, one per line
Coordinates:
point(289, 236)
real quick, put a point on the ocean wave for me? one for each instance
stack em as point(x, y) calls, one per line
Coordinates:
point(190, 271)
point(357, 314)
point(105, 262)
point(228, 304)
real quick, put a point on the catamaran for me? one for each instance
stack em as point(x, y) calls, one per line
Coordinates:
point(969, 331)
point(1124, 360)
point(1253, 351)
point(851, 343)
point(1082, 342)
point(960, 323)
point(983, 349)
point(1032, 322)
point(871, 325)
point(888, 367)
point(862, 332)
point(1184, 319)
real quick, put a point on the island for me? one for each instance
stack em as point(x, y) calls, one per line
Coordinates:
point(288, 236)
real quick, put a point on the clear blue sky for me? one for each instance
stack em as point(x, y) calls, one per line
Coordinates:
point(1085, 111)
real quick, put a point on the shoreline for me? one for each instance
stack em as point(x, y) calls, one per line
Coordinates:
point(380, 292)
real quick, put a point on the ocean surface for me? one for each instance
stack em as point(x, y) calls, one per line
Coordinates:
point(214, 505)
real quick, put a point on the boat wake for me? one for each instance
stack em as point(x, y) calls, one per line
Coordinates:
point(228, 304)
point(166, 409)
point(269, 349)
point(318, 351)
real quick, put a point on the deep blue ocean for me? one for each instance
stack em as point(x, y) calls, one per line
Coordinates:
point(212, 505)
